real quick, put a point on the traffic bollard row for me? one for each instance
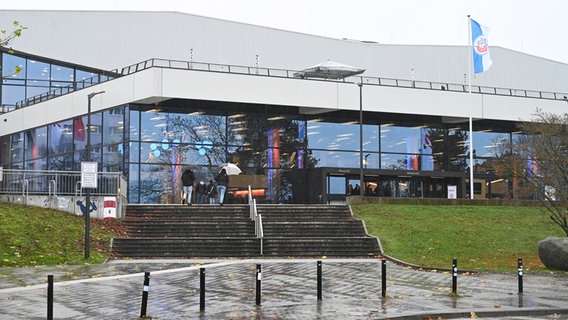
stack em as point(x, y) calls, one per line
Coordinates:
point(145, 291)
point(50, 297)
point(146, 288)
point(201, 289)
point(454, 276)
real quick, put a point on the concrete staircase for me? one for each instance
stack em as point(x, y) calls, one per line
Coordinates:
point(181, 231)
point(314, 230)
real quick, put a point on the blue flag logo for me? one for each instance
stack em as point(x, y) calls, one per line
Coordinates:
point(480, 46)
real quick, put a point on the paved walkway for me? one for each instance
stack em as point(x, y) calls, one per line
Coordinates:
point(351, 290)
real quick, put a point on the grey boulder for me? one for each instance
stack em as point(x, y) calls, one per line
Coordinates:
point(553, 252)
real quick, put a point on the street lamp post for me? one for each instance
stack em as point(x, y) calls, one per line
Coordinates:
point(88, 190)
point(361, 176)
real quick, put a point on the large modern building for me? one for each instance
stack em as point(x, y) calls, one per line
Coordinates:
point(167, 90)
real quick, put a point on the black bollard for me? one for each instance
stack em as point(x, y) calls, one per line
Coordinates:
point(319, 280)
point(454, 276)
point(520, 273)
point(258, 283)
point(50, 297)
point(384, 278)
point(202, 289)
point(145, 294)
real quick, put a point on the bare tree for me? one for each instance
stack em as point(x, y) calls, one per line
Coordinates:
point(538, 161)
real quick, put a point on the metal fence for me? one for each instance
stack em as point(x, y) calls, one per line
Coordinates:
point(58, 183)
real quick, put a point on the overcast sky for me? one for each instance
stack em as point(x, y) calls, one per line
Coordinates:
point(534, 27)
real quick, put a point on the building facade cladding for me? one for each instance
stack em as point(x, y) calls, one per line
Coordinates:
point(286, 154)
point(218, 41)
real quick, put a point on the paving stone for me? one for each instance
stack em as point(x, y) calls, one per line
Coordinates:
point(351, 290)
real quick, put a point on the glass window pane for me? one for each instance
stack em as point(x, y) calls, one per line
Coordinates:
point(83, 75)
point(394, 161)
point(113, 158)
point(400, 139)
point(60, 137)
point(37, 70)
point(36, 91)
point(155, 183)
point(61, 162)
point(337, 159)
point(134, 152)
point(10, 64)
point(113, 130)
point(371, 138)
point(371, 160)
point(134, 122)
point(13, 94)
point(333, 136)
point(36, 143)
point(17, 147)
point(336, 185)
point(153, 127)
point(60, 73)
point(485, 144)
point(133, 183)
point(39, 164)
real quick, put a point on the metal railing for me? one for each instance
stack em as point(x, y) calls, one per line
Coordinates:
point(390, 82)
point(283, 73)
point(257, 218)
point(58, 183)
point(54, 93)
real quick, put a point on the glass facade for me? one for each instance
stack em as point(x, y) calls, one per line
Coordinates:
point(279, 151)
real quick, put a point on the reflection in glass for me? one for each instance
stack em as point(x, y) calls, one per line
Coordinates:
point(487, 144)
point(334, 136)
point(60, 73)
point(337, 159)
point(113, 158)
point(336, 185)
point(134, 121)
point(36, 143)
point(12, 94)
point(37, 70)
point(113, 129)
point(10, 64)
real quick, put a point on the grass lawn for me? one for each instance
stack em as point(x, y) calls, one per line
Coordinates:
point(32, 236)
point(480, 237)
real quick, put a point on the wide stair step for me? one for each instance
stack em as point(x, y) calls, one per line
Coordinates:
point(186, 247)
point(181, 231)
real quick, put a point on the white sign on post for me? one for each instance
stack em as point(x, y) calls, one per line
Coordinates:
point(1, 173)
point(452, 192)
point(89, 174)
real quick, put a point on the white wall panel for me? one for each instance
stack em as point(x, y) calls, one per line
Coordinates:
point(158, 83)
point(252, 89)
point(110, 40)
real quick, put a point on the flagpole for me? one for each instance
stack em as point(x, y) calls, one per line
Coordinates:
point(470, 59)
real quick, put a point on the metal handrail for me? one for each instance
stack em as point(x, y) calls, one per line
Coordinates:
point(78, 189)
point(260, 231)
point(54, 183)
point(54, 93)
point(389, 82)
point(25, 188)
point(257, 218)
